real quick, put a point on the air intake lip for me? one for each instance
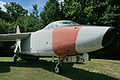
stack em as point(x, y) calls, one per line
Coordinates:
point(109, 36)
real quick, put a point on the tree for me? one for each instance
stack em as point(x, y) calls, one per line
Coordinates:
point(35, 12)
point(3, 26)
point(111, 16)
point(15, 10)
point(29, 24)
point(5, 16)
point(73, 10)
point(51, 12)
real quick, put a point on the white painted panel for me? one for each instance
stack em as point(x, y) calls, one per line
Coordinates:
point(90, 38)
point(25, 45)
point(41, 43)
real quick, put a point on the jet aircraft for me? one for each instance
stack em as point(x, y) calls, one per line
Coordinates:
point(65, 39)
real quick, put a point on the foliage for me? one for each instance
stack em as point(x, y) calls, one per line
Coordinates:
point(50, 12)
point(5, 16)
point(29, 24)
point(15, 10)
point(4, 26)
point(35, 12)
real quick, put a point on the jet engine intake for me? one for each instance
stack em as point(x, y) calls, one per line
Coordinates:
point(109, 36)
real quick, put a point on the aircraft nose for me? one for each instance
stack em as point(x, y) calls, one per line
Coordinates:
point(109, 36)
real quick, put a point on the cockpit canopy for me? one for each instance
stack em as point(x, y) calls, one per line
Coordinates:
point(61, 23)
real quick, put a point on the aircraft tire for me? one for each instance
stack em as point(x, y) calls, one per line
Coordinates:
point(83, 61)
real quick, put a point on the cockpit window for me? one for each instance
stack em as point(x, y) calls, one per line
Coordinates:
point(67, 22)
point(62, 23)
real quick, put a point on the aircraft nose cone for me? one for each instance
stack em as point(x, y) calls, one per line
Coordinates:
point(109, 36)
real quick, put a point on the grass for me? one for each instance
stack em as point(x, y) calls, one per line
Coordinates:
point(97, 69)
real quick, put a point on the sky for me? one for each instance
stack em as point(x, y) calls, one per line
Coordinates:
point(26, 4)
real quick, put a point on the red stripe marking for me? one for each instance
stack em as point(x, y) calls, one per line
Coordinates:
point(64, 40)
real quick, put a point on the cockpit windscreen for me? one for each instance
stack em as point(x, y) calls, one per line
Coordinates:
point(62, 23)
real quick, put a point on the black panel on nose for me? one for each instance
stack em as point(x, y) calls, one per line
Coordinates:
point(109, 36)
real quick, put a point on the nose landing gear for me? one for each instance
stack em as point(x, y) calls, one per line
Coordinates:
point(58, 66)
point(82, 58)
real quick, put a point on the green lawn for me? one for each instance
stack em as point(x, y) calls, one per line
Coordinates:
point(97, 69)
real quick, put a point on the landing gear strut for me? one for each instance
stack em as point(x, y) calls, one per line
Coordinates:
point(15, 57)
point(81, 58)
point(17, 49)
point(58, 67)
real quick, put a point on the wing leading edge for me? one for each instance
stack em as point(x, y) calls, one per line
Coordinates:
point(14, 37)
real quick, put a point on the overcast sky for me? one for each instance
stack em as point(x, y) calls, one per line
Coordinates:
point(27, 4)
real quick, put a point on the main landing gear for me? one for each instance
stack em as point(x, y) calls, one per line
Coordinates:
point(15, 57)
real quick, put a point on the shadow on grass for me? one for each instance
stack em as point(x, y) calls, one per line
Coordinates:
point(69, 71)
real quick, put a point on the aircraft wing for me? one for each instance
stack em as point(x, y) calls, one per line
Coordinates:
point(14, 37)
